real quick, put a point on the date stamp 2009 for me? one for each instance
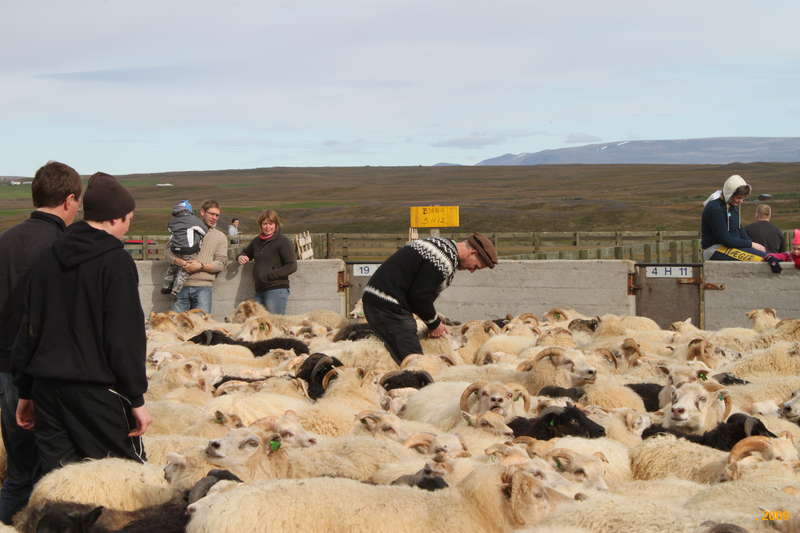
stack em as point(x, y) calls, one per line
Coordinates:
point(781, 514)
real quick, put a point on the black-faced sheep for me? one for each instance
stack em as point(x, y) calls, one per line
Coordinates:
point(399, 379)
point(355, 332)
point(557, 422)
point(723, 437)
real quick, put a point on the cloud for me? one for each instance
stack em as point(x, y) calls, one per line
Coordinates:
point(481, 140)
point(470, 141)
point(127, 75)
point(577, 138)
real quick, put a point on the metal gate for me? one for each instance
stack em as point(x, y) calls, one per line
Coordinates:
point(357, 275)
point(669, 293)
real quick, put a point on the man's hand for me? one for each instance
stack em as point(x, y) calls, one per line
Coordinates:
point(759, 247)
point(193, 266)
point(26, 419)
point(440, 330)
point(243, 259)
point(143, 421)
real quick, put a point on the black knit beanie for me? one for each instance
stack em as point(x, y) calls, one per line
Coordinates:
point(105, 199)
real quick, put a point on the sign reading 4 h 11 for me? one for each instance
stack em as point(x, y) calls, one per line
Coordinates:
point(434, 216)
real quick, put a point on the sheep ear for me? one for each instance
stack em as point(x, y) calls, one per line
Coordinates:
point(601, 456)
point(368, 419)
point(175, 458)
point(471, 419)
point(520, 492)
point(360, 372)
point(85, 521)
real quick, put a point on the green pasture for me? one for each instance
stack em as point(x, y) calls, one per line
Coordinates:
point(502, 199)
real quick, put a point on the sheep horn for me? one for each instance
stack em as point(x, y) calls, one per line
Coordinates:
point(523, 392)
point(728, 406)
point(371, 416)
point(530, 444)
point(608, 355)
point(447, 359)
point(328, 377)
point(549, 352)
point(267, 423)
point(528, 316)
point(491, 326)
point(526, 366)
point(748, 445)
point(419, 439)
point(467, 392)
point(562, 453)
point(410, 359)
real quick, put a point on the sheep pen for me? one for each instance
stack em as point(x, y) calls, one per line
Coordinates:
point(504, 429)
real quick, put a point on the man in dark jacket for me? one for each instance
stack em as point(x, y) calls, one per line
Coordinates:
point(79, 360)
point(765, 232)
point(56, 189)
point(722, 235)
point(411, 280)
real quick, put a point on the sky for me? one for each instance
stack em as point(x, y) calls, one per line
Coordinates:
point(152, 86)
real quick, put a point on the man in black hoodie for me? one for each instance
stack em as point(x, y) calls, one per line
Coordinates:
point(79, 360)
point(56, 190)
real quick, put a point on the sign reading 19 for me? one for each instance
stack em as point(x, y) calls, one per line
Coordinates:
point(364, 269)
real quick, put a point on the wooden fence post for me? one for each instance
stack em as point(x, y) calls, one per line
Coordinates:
point(673, 251)
point(583, 254)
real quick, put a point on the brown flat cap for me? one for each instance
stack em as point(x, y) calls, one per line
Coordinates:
point(485, 248)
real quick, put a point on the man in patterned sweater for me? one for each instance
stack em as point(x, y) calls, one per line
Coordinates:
point(411, 280)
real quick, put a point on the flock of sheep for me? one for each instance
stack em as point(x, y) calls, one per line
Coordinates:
point(559, 423)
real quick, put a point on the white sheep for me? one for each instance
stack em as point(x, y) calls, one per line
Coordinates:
point(119, 484)
point(491, 499)
point(666, 456)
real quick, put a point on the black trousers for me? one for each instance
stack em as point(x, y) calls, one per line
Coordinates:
point(76, 421)
point(22, 459)
point(397, 330)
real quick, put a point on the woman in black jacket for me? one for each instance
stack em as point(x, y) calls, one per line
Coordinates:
point(274, 258)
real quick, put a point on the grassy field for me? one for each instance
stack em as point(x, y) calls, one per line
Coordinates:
point(532, 198)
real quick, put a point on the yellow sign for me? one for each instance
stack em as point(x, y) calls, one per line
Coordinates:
point(434, 216)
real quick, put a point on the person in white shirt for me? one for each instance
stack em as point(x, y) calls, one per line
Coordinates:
point(233, 231)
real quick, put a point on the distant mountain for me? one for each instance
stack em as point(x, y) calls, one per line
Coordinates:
point(714, 150)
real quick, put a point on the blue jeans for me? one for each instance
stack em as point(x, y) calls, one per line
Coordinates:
point(193, 298)
point(22, 457)
point(274, 300)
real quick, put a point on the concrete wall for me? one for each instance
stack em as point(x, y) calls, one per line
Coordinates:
point(313, 286)
point(591, 287)
point(749, 286)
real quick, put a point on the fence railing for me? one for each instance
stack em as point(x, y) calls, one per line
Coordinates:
point(642, 246)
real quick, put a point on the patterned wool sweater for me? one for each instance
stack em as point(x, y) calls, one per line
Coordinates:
point(413, 277)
